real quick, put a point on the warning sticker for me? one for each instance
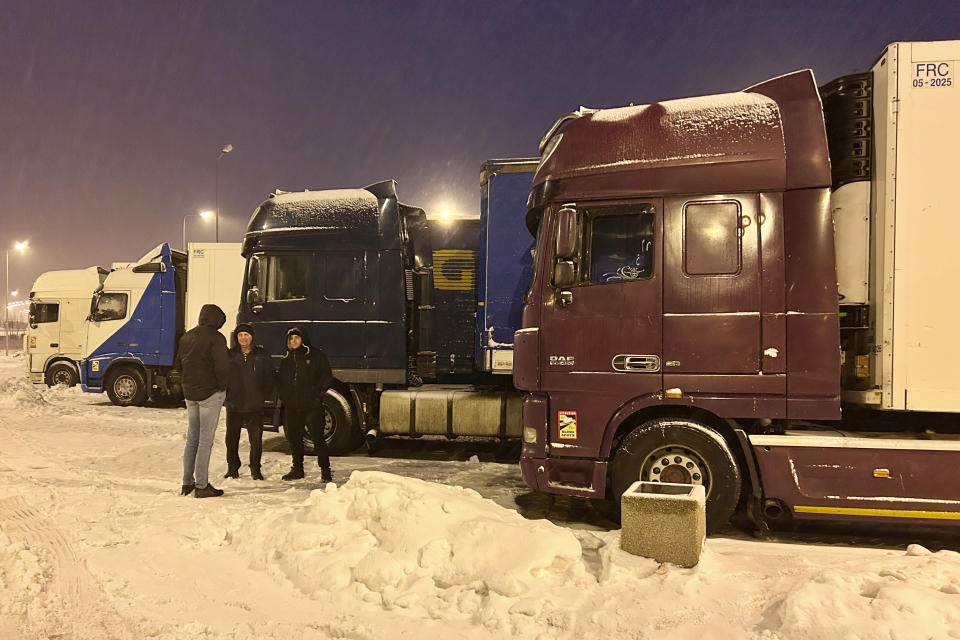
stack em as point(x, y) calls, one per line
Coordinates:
point(567, 424)
point(95, 365)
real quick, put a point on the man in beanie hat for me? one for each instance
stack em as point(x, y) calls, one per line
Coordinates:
point(304, 378)
point(251, 383)
point(202, 359)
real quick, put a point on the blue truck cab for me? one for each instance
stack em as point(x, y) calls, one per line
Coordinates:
point(135, 322)
point(392, 298)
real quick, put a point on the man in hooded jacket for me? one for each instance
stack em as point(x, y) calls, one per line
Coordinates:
point(202, 359)
point(303, 379)
point(251, 383)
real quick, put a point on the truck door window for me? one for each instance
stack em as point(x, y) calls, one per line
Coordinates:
point(343, 276)
point(711, 238)
point(287, 277)
point(620, 243)
point(111, 306)
point(43, 312)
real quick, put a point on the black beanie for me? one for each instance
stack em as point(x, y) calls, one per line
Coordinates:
point(243, 326)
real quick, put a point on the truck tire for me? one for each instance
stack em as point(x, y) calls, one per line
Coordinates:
point(339, 429)
point(126, 387)
point(683, 451)
point(62, 373)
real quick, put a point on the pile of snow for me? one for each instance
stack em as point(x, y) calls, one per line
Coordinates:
point(913, 595)
point(16, 392)
point(436, 550)
point(21, 579)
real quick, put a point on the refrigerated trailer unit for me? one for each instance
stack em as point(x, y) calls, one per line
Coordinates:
point(59, 305)
point(139, 313)
point(685, 322)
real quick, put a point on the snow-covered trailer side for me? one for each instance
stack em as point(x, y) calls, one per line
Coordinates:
point(59, 305)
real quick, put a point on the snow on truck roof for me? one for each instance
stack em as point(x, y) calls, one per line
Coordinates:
point(716, 143)
point(332, 209)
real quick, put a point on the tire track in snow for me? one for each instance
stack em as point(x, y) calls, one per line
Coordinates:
point(73, 604)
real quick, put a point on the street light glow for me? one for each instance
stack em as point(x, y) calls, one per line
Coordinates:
point(445, 213)
point(206, 214)
point(20, 246)
point(15, 292)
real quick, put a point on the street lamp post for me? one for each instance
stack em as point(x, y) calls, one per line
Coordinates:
point(227, 148)
point(19, 246)
point(202, 214)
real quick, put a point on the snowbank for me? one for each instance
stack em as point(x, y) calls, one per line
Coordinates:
point(435, 549)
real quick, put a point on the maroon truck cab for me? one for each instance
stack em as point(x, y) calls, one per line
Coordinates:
point(684, 291)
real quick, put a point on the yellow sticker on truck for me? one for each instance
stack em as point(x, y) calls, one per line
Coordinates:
point(567, 424)
point(94, 365)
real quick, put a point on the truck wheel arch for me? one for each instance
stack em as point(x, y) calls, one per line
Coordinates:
point(53, 362)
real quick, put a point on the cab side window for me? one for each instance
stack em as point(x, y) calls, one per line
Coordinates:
point(711, 238)
point(620, 243)
point(287, 277)
point(112, 306)
point(43, 312)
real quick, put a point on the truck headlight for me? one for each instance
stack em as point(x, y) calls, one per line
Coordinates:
point(530, 435)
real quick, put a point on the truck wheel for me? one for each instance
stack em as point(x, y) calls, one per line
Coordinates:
point(681, 451)
point(338, 427)
point(126, 387)
point(62, 373)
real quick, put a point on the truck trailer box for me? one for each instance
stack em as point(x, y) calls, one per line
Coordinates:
point(505, 263)
point(915, 224)
point(214, 276)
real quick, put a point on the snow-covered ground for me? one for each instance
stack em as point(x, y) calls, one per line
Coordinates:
point(95, 542)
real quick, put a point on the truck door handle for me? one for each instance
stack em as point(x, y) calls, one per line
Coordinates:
point(630, 363)
point(55, 344)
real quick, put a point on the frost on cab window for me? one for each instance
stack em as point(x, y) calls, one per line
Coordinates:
point(112, 306)
point(287, 277)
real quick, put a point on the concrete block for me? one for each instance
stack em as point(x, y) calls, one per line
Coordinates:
point(664, 521)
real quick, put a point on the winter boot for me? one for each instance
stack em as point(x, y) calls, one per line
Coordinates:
point(295, 473)
point(232, 472)
point(186, 489)
point(325, 474)
point(208, 491)
point(255, 473)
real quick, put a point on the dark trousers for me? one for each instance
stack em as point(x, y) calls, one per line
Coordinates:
point(253, 423)
point(294, 423)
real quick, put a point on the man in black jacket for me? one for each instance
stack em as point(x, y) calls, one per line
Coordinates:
point(251, 382)
point(303, 379)
point(202, 359)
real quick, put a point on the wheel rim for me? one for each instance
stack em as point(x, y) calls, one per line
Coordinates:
point(125, 387)
point(676, 464)
point(61, 376)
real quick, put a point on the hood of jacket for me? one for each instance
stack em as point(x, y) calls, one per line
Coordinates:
point(297, 331)
point(211, 316)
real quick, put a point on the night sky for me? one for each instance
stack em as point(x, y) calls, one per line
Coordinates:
point(112, 114)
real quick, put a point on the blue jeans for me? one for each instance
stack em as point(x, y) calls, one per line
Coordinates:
point(202, 418)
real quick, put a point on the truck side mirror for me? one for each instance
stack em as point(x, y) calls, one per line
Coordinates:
point(566, 233)
point(564, 274)
point(253, 296)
